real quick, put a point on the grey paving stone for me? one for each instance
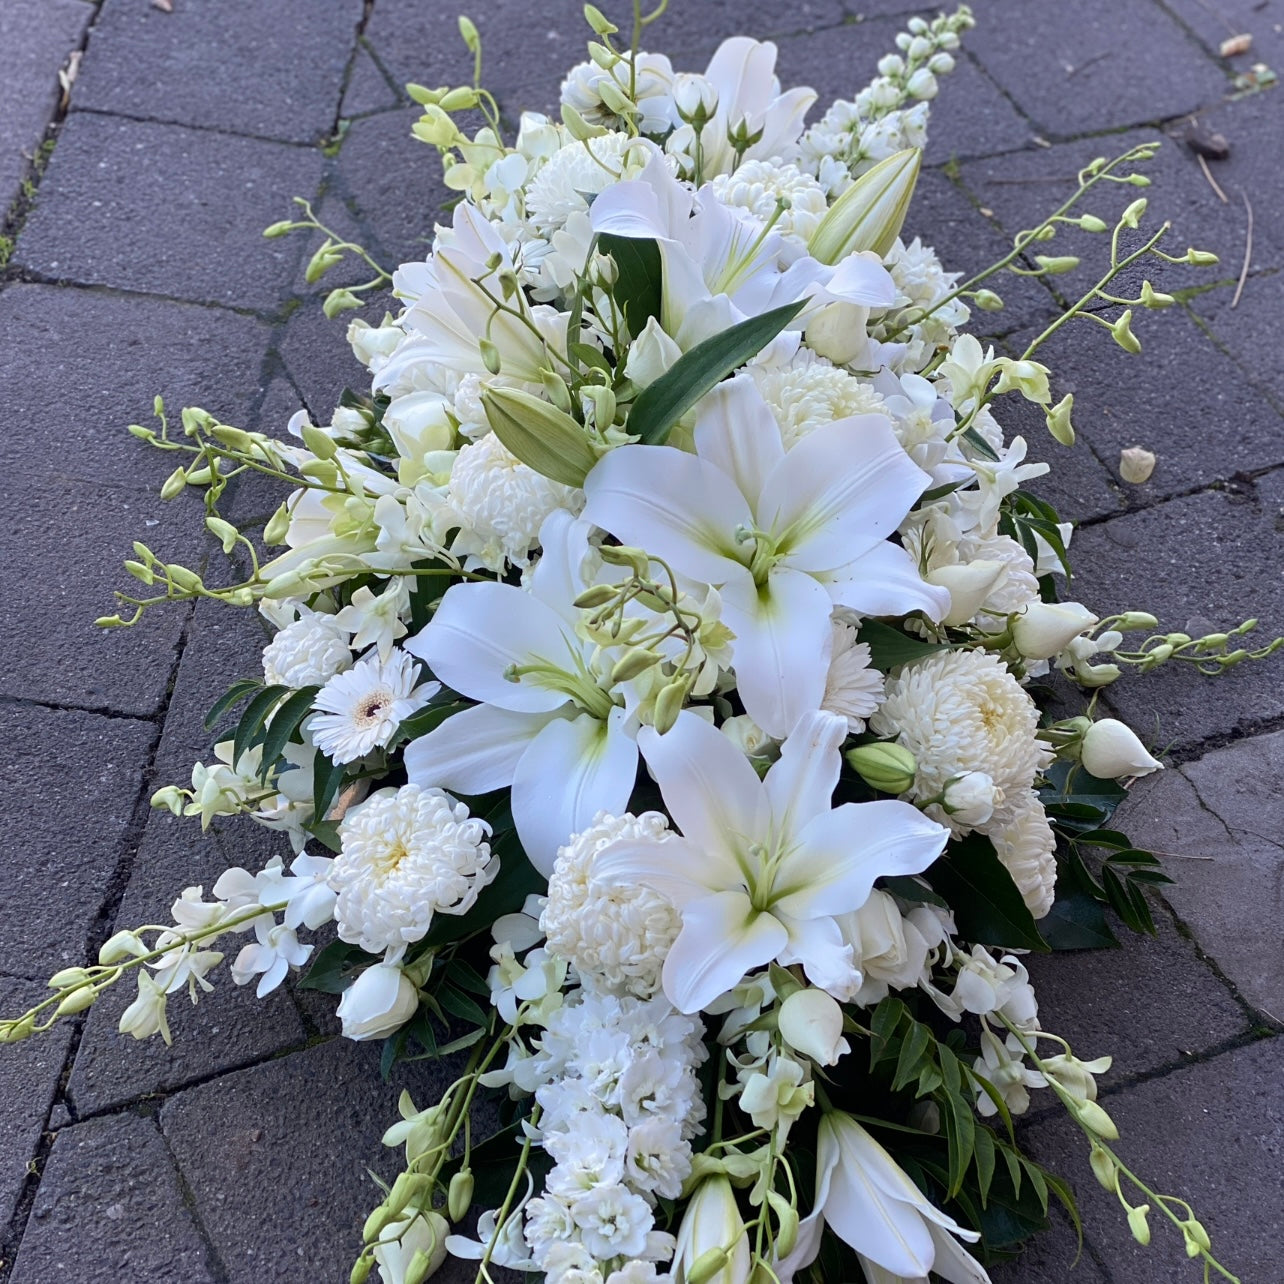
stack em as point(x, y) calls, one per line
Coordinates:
point(368, 89)
point(318, 357)
point(304, 1127)
point(1149, 1004)
point(1241, 330)
point(1212, 1133)
point(1221, 811)
point(167, 210)
point(1050, 1258)
point(1080, 68)
point(230, 1027)
point(1214, 23)
point(110, 1207)
point(29, 1075)
point(225, 65)
point(78, 366)
point(1203, 430)
point(1200, 564)
point(64, 559)
point(36, 37)
point(59, 859)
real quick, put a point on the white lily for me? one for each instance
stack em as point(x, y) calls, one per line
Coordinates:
point(870, 1203)
point(783, 537)
point(546, 724)
point(763, 866)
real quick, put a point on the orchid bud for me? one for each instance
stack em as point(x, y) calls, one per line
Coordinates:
point(1103, 1167)
point(1122, 333)
point(1138, 1225)
point(1111, 751)
point(1094, 1118)
point(459, 1195)
point(124, 944)
point(1058, 418)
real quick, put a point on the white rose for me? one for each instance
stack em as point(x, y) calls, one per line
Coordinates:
point(889, 951)
point(969, 584)
point(382, 999)
point(651, 354)
point(970, 799)
point(1111, 751)
point(1044, 629)
point(811, 1022)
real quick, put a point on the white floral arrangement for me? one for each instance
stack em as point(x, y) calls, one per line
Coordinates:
point(650, 712)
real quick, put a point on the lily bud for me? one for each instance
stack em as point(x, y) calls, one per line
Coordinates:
point(885, 766)
point(811, 1022)
point(869, 214)
point(1111, 751)
point(541, 436)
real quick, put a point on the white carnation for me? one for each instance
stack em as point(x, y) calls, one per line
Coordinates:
point(1025, 845)
point(809, 393)
point(758, 186)
point(407, 854)
point(502, 503)
point(962, 711)
point(616, 937)
point(853, 687)
point(307, 653)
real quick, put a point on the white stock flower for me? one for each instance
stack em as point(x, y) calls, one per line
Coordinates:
point(1026, 846)
point(382, 999)
point(360, 709)
point(810, 392)
point(962, 711)
point(1111, 750)
point(406, 855)
point(613, 1222)
point(616, 937)
point(763, 866)
point(758, 187)
point(308, 652)
point(502, 504)
point(853, 687)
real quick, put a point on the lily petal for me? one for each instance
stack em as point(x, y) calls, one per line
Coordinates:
point(885, 581)
point(737, 433)
point(801, 782)
point(474, 751)
point(678, 869)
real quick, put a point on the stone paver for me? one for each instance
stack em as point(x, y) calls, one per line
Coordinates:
point(59, 859)
point(110, 1196)
point(168, 210)
point(28, 1080)
point(36, 38)
point(1050, 1258)
point(1220, 813)
point(318, 357)
point(368, 89)
point(1214, 23)
point(277, 77)
point(78, 366)
point(1242, 330)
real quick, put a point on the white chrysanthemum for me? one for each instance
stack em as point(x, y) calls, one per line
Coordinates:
point(406, 855)
point(962, 711)
point(853, 688)
point(920, 277)
point(361, 708)
point(502, 503)
point(616, 937)
point(308, 652)
point(810, 392)
point(569, 179)
point(1026, 845)
point(757, 187)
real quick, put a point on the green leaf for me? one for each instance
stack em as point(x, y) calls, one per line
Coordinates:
point(252, 720)
point(637, 290)
point(987, 905)
point(422, 721)
point(659, 407)
point(910, 1061)
point(459, 1004)
point(326, 776)
point(326, 832)
point(889, 647)
point(882, 1025)
point(1077, 921)
point(959, 1119)
point(229, 700)
point(285, 722)
point(984, 1158)
point(980, 445)
point(331, 966)
point(910, 889)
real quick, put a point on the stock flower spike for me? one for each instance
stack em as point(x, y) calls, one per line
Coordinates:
point(651, 717)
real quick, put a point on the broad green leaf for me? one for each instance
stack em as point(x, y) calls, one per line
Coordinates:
point(882, 1025)
point(638, 286)
point(229, 700)
point(913, 1049)
point(1077, 921)
point(987, 905)
point(459, 1004)
point(890, 648)
point(252, 720)
point(659, 406)
point(326, 777)
point(285, 722)
point(330, 967)
point(984, 1159)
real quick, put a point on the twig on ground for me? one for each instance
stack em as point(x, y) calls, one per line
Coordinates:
point(1248, 249)
point(1208, 174)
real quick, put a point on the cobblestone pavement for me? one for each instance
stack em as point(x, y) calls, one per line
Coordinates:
point(135, 267)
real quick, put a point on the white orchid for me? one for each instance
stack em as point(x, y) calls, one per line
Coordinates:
point(784, 537)
point(547, 724)
point(763, 866)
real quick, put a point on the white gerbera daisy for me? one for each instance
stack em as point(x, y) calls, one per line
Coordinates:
point(360, 709)
point(963, 711)
point(307, 652)
point(853, 688)
point(616, 937)
point(407, 854)
point(809, 393)
point(758, 186)
point(1026, 845)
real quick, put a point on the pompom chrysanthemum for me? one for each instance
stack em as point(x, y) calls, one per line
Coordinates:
point(809, 393)
point(359, 710)
point(758, 187)
point(406, 855)
point(1026, 846)
point(616, 937)
point(308, 652)
point(853, 688)
point(572, 176)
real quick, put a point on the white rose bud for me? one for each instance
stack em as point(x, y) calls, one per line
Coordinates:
point(969, 583)
point(651, 354)
point(970, 799)
point(747, 736)
point(1111, 751)
point(1044, 629)
point(694, 96)
point(811, 1022)
point(382, 999)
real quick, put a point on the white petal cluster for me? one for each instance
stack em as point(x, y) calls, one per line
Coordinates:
point(854, 688)
point(615, 936)
point(963, 711)
point(360, 709)
point(572, 176)
point(308, 652)
point(1025, 844)
point(407, 854)
point(501, 503)
point(758, 187)
point(810, 392)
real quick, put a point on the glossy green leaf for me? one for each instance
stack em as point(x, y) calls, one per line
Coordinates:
point(285, 722)
point(637, 289)
point(890, 648)
point(987, 905)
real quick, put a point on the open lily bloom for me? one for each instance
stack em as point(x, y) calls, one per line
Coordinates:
point(546, 725)
point(763, 866)
point(784, 537)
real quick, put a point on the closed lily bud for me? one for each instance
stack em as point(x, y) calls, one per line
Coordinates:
point(885, 766)
point(541, 436)
point(811, 1022)
point(1136, 464)
point(870, 213)
point(1045, 629)
point(1111, 751)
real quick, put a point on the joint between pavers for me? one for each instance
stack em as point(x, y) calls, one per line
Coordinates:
point(220, 130)
point(101, 711)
